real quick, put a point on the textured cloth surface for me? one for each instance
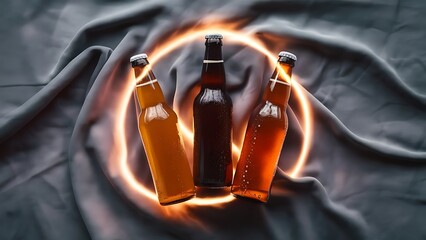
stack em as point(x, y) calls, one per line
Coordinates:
point(64, 66)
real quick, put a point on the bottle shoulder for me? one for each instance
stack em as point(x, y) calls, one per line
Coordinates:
point(212, 96)
point(266, 109)
point(159, 112)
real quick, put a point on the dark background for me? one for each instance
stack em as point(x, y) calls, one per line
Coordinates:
point(63, 65)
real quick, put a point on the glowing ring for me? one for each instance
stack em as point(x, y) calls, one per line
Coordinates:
point(161, 51)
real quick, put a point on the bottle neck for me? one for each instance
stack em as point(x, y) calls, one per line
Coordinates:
point(279, 86)
point(213, 72)
point(148, 90)
point(149, 75)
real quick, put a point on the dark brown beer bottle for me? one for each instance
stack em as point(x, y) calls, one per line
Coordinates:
point(158, 127)
point(266, 131)
point(213, 121)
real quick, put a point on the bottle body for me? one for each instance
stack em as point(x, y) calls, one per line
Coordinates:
point(213, 121)
point(265, 134)
point(163, 143)
point(158, 127)
point(212, 139)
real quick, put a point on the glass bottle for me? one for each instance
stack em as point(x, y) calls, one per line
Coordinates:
point(265, 134)
point(213, 121)
point(163, 143)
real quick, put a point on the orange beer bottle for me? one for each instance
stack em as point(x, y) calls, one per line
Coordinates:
point(159, 130)
point(213, 121)
point(265, 134)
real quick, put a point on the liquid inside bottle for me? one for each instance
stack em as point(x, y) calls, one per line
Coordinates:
point(163, 143)
point(265, 134)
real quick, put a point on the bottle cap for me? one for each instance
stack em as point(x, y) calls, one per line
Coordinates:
point(287, 57)
point(216, 36)
point(287, 54)
point(138, 56)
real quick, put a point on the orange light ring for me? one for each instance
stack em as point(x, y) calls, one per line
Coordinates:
point(161, 51)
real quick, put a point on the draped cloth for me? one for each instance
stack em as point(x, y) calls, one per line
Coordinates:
point(64, 68)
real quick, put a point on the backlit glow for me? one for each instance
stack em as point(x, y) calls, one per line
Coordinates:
point(163, 49)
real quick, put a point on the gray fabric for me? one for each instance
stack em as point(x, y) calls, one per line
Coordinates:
point(64, 63)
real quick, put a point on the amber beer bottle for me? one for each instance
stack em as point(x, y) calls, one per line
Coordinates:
point(265, 134)
point(158, 127)
point(213, 121)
